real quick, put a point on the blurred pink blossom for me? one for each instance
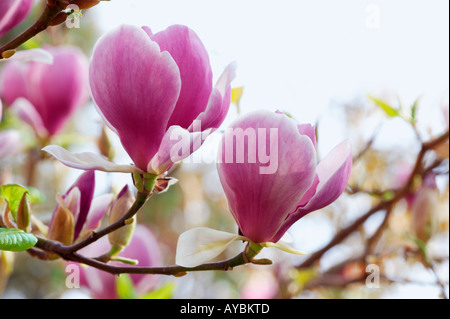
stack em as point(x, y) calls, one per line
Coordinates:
point(45, 95)
point(13, 12)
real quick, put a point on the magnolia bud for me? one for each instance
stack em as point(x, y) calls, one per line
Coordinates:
point(62, 228)
point(104, 145)
point(424, 211)
point(120, 238)
point(23, 214)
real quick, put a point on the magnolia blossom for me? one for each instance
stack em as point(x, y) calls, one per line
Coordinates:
point(266, 205)
point(143, 248)
point(77, 212)
point(45, 95)
point(155, 91)
point(263, 204)
point(13, 12)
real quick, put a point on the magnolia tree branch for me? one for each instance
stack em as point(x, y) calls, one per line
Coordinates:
point(245, 257)
point(383, 205)
point(51, 10)
point(44, 248)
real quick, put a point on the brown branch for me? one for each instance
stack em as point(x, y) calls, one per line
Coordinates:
point(245, 257)
point(51, 10)
point(383, 204)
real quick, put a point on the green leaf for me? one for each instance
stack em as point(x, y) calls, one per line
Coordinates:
point(125, 287)
point(12, 193)
point(164, 292)
point(414, 110)
point(16, 240)
point(389, 110)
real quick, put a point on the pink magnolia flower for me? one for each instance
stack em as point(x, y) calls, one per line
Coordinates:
point(86, 211)
point(45, 95)
point(266, 205)
point(13, 12)
point(143, 248)
point(152, 90)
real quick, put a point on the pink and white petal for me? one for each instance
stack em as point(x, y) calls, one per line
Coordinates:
point(136, 87)
point(99, 207)
point(310, 193)
point(309, 130)
point(88, 161)
point(33, 55)
point(219, 101)
point(27, 113)
point(177, 144)
point(333, 172)
point(147, 30)
point(192, 59)
point(72, 201)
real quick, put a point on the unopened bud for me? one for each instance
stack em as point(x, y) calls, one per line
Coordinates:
point(23, 214)
point(424, 213)
point(62, 228)
point(7, 54)
point(105, 145)
point(120, 238)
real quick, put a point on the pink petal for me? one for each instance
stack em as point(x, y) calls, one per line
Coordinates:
point(86, 184)
point(136, 87)
point(333, 173)
point(98, 209)
point(88, 161)
point(219, 101)
point(190, 55)
point(27, 113)
point(261, 202)
point(13, 12)
point(309, 130)
point(176, 145)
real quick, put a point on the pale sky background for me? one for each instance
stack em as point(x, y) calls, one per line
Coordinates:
point(299, 56)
